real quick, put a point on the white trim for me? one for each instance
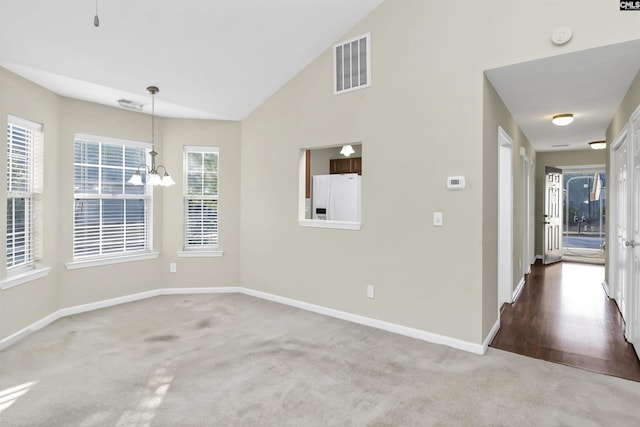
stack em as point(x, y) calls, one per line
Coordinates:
point(539, 257)
point(96, 262)
point(362, 320)
point(605, 286)
point(516, 293)
point(199, 254)
point(113, 141)
point(374, 323)
point(200, 148)
point(582, 260)
point(25, 277)
point(321, 223)
point(492, 333)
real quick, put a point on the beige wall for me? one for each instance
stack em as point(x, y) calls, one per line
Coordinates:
point(426, 106)
point(426, 100)
point(628, 106)
point(22, 305)
point(557, 159)
point(496, 115)
point(194, 272)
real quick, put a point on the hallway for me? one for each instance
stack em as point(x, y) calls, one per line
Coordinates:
point(563, 315)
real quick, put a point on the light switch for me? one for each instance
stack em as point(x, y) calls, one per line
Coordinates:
point(437, 218)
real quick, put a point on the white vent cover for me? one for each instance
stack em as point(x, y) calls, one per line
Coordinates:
point(352, 64)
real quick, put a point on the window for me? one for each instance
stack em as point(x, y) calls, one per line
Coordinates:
point(201, 198)
point(330, 188)
point(24, 192)
point(110, 216)
point(352, 64)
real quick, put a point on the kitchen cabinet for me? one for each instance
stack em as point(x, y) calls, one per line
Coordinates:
point(346, 165)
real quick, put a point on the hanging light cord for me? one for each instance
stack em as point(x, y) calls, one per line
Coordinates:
point(96, 20)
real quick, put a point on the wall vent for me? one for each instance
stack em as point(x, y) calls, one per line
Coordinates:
point(352, 64)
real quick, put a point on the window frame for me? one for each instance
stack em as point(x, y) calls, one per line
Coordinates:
point(33, 165)
point(191, 249)
point(104, 256)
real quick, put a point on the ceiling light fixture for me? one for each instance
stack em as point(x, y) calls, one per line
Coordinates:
point(598, 145)
point(153, 174)
point(562, 119)
point(347, 150)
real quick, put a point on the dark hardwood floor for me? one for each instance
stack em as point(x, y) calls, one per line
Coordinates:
point(563, 315)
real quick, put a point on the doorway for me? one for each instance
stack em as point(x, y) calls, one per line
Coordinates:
point(583, 204)
point(505, 218)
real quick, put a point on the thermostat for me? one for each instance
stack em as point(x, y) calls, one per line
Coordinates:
point(455, 182)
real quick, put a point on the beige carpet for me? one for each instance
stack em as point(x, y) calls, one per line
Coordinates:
point(233, 360)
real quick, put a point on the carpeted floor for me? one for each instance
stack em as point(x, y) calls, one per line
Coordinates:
point(233, 360)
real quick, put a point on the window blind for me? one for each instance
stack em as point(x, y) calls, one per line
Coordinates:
point(111, 217)
point(24, 192)
point(201, 197)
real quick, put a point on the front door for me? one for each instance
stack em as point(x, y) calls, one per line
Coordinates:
point(552, 215)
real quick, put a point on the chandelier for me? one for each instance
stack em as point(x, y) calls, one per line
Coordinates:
point(153, 173)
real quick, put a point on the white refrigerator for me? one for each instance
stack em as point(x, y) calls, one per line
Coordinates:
point(337, 197)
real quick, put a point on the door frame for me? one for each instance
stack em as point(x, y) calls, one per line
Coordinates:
point(528, 212)
point(505, 218)
point(614, 286)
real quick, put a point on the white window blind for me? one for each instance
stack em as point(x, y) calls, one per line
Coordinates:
point(201, 197)
point(24, 193)
point(352, 64)
point(110, 216)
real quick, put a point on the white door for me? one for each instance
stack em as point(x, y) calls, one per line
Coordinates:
point(505, 218)
point(552, 215)
point(632, 245)
point(621, 257)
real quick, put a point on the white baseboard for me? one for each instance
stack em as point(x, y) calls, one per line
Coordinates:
point(516, 293)
point(374, 323)
point(362, 320)
point(539, 257)
point(491, 336)
point(605, 286)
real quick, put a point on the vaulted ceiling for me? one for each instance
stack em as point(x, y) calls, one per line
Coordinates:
point(220, 59)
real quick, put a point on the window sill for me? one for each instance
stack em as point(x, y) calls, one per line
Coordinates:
point(339, 225)
point(25, 277)
point(96, 262)
point(199, 254)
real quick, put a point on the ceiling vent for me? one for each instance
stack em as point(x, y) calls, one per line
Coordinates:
point(130, 105)
point(352, 64)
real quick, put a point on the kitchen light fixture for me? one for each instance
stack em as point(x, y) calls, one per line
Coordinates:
point(562, 119)
point(347, 150)
point(598, 145)
point(153, 175)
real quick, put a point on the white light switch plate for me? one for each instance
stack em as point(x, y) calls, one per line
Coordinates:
point(437, 218)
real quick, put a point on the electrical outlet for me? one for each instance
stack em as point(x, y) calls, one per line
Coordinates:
point(172, 267)
point(370, 291)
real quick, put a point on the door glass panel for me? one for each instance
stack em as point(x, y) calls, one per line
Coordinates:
point(584, 195)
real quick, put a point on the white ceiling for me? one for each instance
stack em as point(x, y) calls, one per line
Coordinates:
point(216, 59)
point(589, 83)
point(221, 59)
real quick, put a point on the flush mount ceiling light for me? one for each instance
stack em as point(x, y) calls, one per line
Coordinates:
point(347, 150)
point(598, 145)
point(562, 119)
point(153, 175)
